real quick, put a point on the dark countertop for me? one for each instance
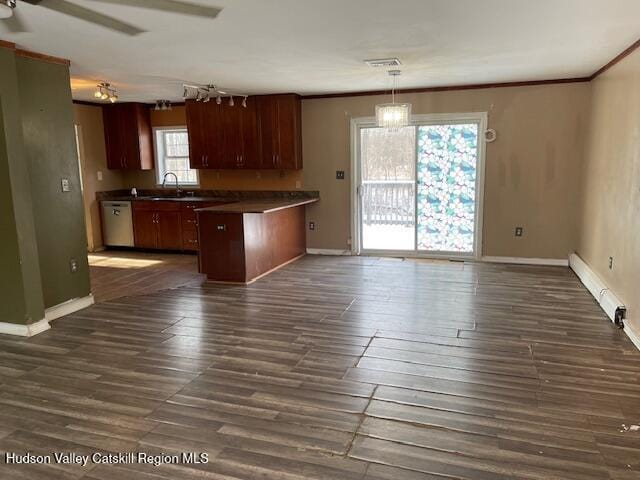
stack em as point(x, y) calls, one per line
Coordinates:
point(205, 195)
point(257, 206)
point(129, 198)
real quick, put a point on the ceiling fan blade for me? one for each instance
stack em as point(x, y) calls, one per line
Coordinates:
point(172, 6)
point(15, 23)
point(88, 15)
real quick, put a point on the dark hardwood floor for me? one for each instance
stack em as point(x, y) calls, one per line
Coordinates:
point(122, 273)
point(338, 368)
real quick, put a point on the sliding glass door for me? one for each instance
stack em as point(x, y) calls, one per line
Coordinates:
point(419, 188)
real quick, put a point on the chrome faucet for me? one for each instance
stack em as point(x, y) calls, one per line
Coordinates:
point(164, 181)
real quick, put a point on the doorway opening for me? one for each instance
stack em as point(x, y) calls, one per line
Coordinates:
point(417, 190)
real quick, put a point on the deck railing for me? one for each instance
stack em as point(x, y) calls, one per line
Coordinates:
point(388, 202)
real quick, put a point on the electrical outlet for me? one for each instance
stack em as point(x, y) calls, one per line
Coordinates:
point(339, 174)
point(99, 175)
point(610, 263)
point(65, 185)
point(519, 231)
point(298, 184)
point(312, 225)
point(73, 265)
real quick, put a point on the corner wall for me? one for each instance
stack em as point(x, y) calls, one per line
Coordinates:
point(93, 157)
point(51, 155)
point(610, 193)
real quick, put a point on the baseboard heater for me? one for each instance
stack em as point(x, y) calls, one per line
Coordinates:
point(611, 305)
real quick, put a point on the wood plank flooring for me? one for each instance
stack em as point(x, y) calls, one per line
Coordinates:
point(121, 273)
point(335, 368)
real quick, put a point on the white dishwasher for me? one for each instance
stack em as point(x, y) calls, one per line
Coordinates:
point(117, 224)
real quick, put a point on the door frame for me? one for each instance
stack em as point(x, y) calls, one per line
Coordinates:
point(481, 118)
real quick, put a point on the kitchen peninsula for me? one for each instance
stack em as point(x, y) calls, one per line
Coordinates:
point(239, 235)
point(242, 241)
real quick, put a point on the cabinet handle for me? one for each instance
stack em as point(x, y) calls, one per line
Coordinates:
point(206, 160)
point(191, 221)
point(242, 160)
point(273, 159)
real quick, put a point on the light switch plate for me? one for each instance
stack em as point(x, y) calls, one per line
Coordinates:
point(339, 174)
point(65, 185)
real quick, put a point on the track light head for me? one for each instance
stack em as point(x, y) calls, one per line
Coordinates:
point(218, 99)
point(231, 102)
point(244, 102)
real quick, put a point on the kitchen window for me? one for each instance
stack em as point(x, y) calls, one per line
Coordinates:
point(172, 155)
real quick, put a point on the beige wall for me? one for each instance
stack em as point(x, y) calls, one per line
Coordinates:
point(215, 179)
point(610, 217)
point(530, 173)
point(531, 168)
point(93, 159)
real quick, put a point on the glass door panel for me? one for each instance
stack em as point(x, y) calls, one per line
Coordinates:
point(447, 161)
point(387, 189)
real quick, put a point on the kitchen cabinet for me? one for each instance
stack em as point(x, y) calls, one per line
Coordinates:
point(205, 129)
point(264, 135)
point(157, 225)
point(280, 118)
point(128, 141)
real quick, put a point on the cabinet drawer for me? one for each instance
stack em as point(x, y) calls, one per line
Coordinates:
point(156, 205)
point(190, 239)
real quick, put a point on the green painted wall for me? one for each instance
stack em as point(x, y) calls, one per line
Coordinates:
point(50, 153)
point(21, 299)
point(41, 227)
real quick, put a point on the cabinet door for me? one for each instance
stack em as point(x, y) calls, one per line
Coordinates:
point(232, 134)
point(130, 140)
point(144, 228)
point(196, 122)
point(214, 134)
point(268, 132)
point(169, 230)
point(289, 132)
point(127, 129)
point(113, 135)
point(250, 136)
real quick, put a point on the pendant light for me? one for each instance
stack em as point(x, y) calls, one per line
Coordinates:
point(393, 115)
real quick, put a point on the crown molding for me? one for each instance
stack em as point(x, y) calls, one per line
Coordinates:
point(625, 53)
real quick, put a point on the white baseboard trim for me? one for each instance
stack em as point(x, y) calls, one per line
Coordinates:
point(600, 291)
point(24, 330)
point(553, 262)
point(607, 300)
point(70, 306)
point(632, 334)
point(327, 251)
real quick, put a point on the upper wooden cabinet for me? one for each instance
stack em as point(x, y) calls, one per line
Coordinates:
point(264, 135)
point(280, 131)
point(127, 128)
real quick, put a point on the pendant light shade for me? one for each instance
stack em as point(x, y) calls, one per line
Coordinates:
point(393, 115)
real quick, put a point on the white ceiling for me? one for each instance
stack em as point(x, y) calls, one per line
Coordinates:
point(317, 46)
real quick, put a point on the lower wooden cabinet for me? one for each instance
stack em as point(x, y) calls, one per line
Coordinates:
point(157, 225)
point(167, 225)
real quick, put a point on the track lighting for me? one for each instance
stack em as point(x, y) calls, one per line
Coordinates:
point(163, 105)
point(106, 92)
point(206, 93)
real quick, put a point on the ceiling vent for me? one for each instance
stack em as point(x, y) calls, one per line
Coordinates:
point(383, 62)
